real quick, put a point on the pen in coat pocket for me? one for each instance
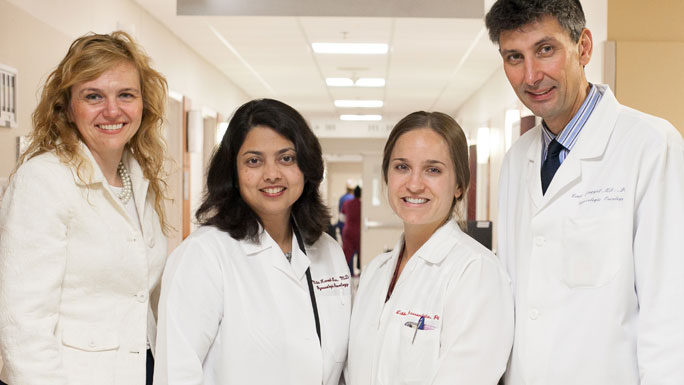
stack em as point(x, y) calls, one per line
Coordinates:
point(420, 325)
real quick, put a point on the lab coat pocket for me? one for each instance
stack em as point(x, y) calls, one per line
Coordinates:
point(90, 341)
point(592, 250)
point(418, 357)
point(89, 355)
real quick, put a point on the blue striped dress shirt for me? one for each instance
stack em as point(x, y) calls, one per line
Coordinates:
point(568, 137)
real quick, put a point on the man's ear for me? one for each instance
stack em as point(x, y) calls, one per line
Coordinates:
point(585, 46)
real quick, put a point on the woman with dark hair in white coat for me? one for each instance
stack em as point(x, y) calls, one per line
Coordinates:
point(438, 308)
point(259, 294)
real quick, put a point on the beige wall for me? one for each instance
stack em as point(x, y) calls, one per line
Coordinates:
point(50, 47)
point(34, 36)
point(649, 54)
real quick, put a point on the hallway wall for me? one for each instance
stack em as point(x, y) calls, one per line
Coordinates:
point(649, 40)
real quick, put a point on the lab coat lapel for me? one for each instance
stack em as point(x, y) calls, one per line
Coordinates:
point(591, 144)
point(533, 170)
point(300, 260)
point(295, 270)
point(440, 243)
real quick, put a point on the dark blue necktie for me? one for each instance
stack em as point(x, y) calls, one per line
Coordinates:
point(551, 164)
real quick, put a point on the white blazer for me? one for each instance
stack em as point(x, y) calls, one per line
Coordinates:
point(76, 275)
point(597, 262)
point(236, 312)
point(464, 294)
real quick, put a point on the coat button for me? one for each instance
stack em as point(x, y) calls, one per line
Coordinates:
point(539, 241)
point(150, 242)
point(92, 343)
point(142, 296)
point(534, 314)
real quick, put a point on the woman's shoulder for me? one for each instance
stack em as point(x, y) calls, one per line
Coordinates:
point(46, 164)
point(44, 171)
point(208, 238)
point(325, 241)
point(468, 250)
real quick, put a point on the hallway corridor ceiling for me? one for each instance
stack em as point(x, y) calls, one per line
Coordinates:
point(432, 63)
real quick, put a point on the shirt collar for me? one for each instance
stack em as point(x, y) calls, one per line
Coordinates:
point(568, 137)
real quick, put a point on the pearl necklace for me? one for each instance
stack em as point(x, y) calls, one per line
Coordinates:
point(127, 192)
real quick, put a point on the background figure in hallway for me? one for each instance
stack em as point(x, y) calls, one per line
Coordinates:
point(349, 195)
point(351, 235)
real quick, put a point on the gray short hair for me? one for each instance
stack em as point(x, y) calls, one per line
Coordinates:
point(508, 15)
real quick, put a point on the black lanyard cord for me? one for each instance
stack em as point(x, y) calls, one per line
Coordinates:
point(308, 279)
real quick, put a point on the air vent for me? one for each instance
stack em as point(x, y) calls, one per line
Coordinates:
point(8, 96)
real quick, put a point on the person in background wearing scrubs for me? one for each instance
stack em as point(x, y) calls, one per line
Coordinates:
point(349, 195)
point(351, 236)
point(259, 294)
point(591, 209)
point(438, 308)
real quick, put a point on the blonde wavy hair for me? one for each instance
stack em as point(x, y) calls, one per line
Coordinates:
point(89, 57)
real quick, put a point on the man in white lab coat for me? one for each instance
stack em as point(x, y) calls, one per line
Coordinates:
point(591, 215)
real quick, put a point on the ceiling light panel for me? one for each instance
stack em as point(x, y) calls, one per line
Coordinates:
point(339, 82)
point(351, 48)
point(359, 103)
point(368, 118)
point(370, 82)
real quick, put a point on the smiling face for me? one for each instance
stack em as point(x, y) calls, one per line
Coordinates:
point(421, 181)
point(270, 180)
point(107, 111)
point(546, 69)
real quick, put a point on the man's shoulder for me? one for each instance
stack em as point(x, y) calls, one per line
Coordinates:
point(644, 128)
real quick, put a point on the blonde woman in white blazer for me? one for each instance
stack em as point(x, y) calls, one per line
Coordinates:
point(258, 295)
point(81, 224)
point(438, 309)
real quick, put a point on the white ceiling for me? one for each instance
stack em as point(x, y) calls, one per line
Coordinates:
point(432, 64)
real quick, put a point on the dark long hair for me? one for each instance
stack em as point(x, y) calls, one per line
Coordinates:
point(223, 205)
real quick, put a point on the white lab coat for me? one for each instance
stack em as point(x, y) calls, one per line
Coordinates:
point(464, 293)
point(76, 276)
point(598, 262)
point(236, 312)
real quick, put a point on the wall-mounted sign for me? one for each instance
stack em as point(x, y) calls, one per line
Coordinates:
point(8, 96)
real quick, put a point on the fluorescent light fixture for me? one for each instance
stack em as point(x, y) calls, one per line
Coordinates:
point(373, 118)
point(339, 82)
point(483, 145)
point(370, 82)
point(351, 48)
point(359, 103)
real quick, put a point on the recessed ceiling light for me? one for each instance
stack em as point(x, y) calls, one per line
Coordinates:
point(361, 117)
point(359, 103)
point(370, 82)
point(351, 48)
point(339, 82)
